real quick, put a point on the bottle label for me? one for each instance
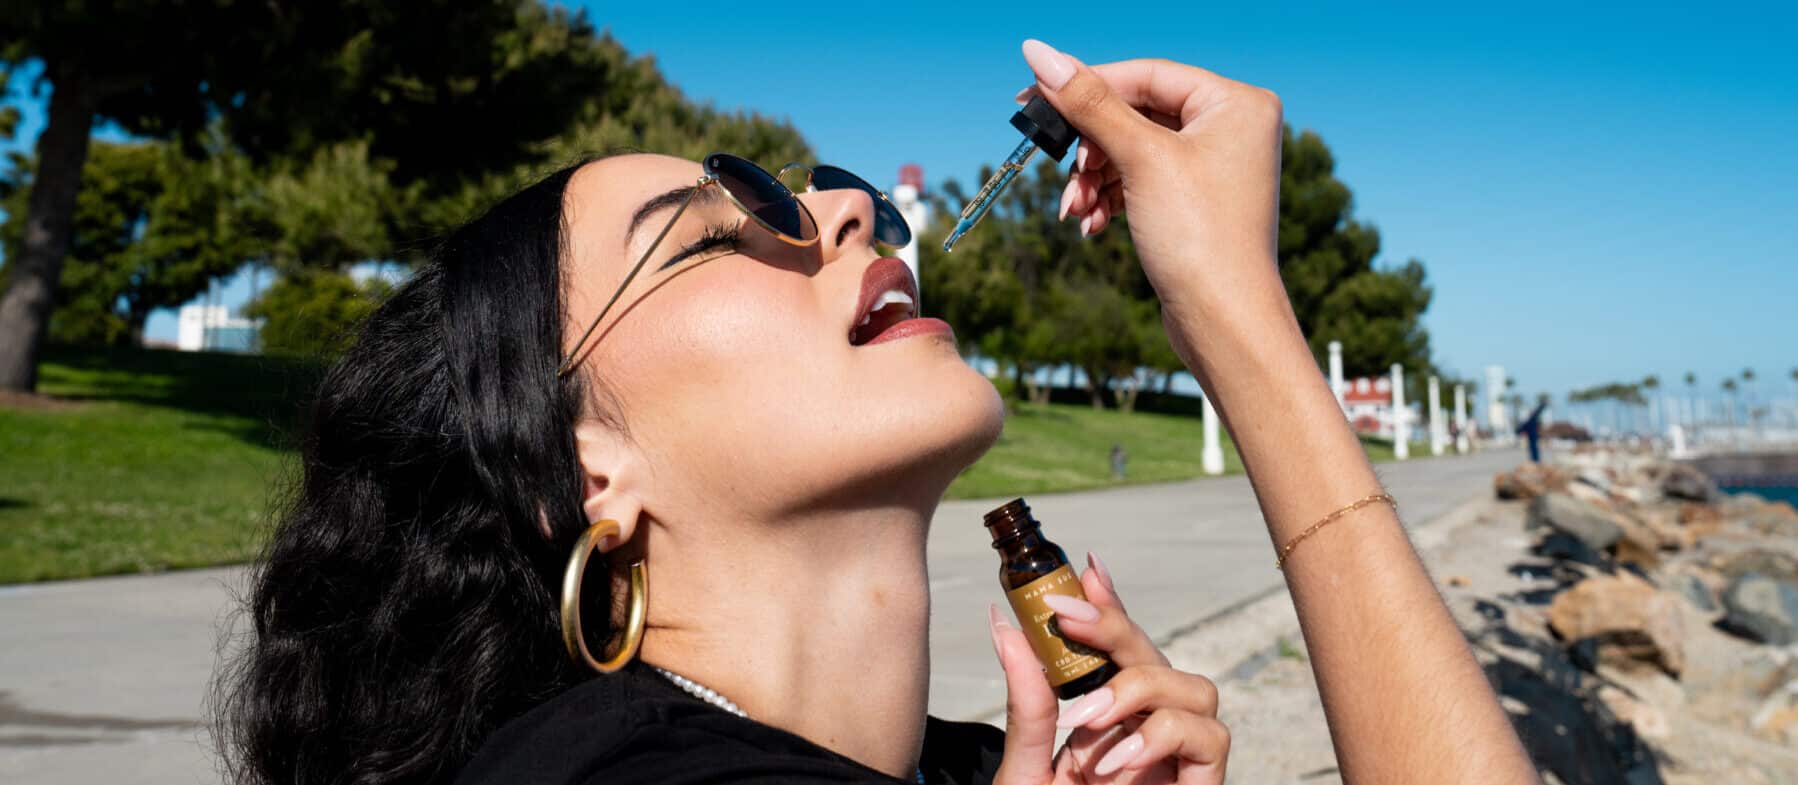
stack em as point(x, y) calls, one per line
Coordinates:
point(1065, 660)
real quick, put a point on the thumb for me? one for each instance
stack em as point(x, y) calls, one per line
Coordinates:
point(1088, 103)
point(1030, 709)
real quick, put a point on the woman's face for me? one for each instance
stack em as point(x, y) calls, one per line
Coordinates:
point(739, 371)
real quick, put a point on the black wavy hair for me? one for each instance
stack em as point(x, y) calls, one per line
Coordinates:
point(407, 602)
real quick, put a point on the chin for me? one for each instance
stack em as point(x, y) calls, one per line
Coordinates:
point(962, 421)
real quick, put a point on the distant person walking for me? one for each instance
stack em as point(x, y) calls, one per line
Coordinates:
point(1118, 457)
point(1531, 428)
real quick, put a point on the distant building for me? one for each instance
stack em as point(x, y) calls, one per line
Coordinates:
point(212, 328)
point(1368, 405)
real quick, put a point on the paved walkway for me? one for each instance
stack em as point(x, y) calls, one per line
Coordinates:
point(103, 680)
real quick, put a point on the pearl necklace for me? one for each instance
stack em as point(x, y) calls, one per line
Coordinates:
point(711, 696)
point(702, 692)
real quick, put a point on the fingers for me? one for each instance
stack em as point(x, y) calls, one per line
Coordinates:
point(1163, 87)
point(1093, 196)
point(1030, 708)
point(1087, 101)
point(1104, 627)
point(1200, 741)
point(1138, 690)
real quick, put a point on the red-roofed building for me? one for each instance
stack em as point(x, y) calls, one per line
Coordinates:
point(1368, 404)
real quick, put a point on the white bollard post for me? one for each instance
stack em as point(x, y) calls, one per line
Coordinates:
point(1438, 428)
point(1463, 442)
point(1677, 436)
point(1336, 373)
point(1401, 430)
point(1211, 459)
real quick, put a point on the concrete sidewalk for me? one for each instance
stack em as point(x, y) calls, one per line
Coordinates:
point(103, 680)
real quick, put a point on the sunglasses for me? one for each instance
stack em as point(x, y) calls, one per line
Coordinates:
point(768, 202)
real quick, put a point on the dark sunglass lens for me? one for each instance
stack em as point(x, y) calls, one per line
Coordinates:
point(762, 195)
point(890, 227)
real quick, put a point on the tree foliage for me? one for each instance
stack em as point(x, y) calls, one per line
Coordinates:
point(312, 312)
point(373, 140)
point(152, 228)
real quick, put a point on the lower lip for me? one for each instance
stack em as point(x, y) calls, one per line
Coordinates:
point(911, 327)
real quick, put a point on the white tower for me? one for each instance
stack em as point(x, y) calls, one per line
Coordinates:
point(908, 196)
point(1497, 418)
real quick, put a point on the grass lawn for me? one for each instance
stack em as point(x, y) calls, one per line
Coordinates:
point(1060, 447)
point(1064, 447)
point(147, 460)
point(144, 461)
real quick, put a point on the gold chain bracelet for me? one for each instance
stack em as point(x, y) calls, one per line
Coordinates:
point(1280, 562)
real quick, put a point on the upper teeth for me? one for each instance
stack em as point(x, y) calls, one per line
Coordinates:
point(886, 298)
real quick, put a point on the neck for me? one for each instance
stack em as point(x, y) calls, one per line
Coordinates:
point(789, 618)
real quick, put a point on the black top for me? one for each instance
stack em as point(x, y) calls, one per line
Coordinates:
point(634, 726)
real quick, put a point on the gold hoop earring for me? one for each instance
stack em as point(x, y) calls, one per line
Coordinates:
point(631, 636)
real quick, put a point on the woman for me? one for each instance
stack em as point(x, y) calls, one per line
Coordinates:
point(756, 417)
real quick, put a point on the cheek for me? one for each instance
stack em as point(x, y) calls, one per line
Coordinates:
point(723, 372)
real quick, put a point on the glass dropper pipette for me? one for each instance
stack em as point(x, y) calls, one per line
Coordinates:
point(1043, 128)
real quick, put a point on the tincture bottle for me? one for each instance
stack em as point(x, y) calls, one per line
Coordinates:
point(1030, 566)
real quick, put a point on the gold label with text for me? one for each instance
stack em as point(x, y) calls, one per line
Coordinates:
point(1064, 660)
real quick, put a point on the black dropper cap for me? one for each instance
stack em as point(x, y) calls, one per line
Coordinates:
point(1043, 125)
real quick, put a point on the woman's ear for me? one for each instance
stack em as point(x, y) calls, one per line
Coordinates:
point(609, 472)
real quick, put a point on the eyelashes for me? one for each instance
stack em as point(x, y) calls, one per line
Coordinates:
point(716, 236)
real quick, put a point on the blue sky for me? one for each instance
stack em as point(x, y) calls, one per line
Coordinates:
point(1597, 193)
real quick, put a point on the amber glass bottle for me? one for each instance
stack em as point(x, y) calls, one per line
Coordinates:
point(1030, 567)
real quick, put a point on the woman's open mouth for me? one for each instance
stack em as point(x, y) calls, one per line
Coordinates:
point(888, 308)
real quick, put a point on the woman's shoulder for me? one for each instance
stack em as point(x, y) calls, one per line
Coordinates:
point(633, 726)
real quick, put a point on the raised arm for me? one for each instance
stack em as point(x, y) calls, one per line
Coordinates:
point(1196, 160)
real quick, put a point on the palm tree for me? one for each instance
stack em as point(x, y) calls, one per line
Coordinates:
point(1651, 383)
point(1729, 391)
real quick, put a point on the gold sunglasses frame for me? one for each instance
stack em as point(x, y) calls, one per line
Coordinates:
point(708, 180)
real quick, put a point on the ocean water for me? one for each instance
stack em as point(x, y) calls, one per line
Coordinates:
point(1772, 493)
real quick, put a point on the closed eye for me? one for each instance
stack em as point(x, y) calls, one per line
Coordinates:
point(726, 236)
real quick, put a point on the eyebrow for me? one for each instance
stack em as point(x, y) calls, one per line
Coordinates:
point(667, 200)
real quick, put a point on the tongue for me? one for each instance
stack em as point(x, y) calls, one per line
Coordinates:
point(878, 321)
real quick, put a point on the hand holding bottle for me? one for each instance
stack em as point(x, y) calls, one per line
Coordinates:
point(1149, 725)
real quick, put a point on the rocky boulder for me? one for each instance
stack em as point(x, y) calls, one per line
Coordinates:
point(1588, 523)
point(1528, 481)
point(1763, 608)
point(1623, 618)
point(1685, 482)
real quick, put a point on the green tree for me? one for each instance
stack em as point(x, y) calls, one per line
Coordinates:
point(151, 229)
point(313, 312)
point(425, 81)
point(1326, 260)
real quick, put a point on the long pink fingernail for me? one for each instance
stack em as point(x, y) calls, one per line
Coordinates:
point(1123, 753)
point(995, 623)
point(1067, 198)
point(1092, 560)
point(1086, 225)
point(1071, 608)
point(1084, 710)
point(1080, 158)
point(1051, 66)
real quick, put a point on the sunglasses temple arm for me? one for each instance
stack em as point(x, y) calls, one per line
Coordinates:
point(568, 362)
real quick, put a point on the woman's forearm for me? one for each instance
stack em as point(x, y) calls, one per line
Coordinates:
point(1405, 700)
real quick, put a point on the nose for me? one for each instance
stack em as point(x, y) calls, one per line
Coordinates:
point(845, 219)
